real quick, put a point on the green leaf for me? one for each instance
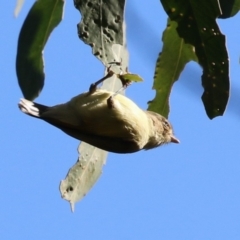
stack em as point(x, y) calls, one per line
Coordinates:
point(229, 8)
point(171, 61)
point(43, 17)
point(130, 77)
point(101, 26)
point(197, 26)
point(84, 174)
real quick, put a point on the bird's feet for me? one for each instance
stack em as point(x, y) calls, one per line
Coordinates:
point(93, 86)
point(110, 102)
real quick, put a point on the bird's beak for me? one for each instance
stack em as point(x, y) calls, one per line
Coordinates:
point(174, 139)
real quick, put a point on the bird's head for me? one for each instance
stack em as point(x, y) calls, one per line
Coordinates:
point(162, 131)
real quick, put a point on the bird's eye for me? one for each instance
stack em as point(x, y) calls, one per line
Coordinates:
point(166, 123)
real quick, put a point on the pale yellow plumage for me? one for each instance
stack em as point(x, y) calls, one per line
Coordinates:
point(121, 128)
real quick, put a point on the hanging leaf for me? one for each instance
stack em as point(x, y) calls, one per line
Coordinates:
point(171, 61)
point(83, 175)
point(197, 26)
point(43, 17)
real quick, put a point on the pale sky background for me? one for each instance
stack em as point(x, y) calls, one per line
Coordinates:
point(185, 192)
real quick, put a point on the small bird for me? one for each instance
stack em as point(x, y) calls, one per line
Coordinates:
point(105, 120)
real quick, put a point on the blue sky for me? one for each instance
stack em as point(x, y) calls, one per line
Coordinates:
point(186, 191)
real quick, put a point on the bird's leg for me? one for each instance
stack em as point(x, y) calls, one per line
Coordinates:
point(110, 73)
point(93, 86)
point(110, 102)
point(125, 84)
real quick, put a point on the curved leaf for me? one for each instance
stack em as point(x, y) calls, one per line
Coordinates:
point(197, 26)
point(84, 174)
point(43, 17)
point(171, 61)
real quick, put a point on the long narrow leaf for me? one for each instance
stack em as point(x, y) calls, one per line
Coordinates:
point(171, 61)
point(43, 17)
point(197, 26)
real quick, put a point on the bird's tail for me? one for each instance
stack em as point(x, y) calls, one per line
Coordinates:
point(31, 108)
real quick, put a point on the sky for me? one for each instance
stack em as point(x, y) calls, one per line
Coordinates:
point(183, 191)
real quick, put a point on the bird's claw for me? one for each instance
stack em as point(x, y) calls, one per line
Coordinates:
point(93, 86)
point(110, 102)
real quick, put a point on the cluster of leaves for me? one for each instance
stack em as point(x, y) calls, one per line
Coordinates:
point(192, 34)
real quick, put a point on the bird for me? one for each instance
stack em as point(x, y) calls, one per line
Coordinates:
point(106, 120)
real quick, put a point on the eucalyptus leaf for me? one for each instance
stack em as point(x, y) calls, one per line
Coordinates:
point(171, 62)
point(197, 26)
point(42, 18)
point(84, 174)
point(101, 26)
